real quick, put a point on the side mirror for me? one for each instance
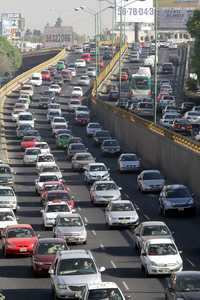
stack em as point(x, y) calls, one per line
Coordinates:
point(51, 271)
point(42, 211)
point(102, 269)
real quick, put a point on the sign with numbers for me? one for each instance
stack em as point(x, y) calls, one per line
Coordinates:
point(138, 11)
point(173, 18)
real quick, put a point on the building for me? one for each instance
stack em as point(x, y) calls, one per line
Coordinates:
point(58, 36)
point(12, 26)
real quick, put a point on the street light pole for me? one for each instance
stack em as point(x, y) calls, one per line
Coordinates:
point(155, 63)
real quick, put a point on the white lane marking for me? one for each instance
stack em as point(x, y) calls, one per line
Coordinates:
point(94, 232)
point(190, 262)
point(113, 264)
point(102, 246)
point(146, 217)
point(86, 220)
point(125, 285)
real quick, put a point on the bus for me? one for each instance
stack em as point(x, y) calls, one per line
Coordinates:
point(140, 85)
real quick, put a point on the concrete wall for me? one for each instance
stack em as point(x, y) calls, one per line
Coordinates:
point(177, 163)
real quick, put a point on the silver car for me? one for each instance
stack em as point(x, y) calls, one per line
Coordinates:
point(150, 181)
point(121, 213)
point(75, 148)
point(71, 271)
point(80, 160)
point(129, 162)
point(150, 230)
point(71, 228)
point(96, 171)
point(110, 146)
point(102, 192)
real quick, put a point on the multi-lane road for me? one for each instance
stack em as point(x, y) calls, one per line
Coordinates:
point(113, 249)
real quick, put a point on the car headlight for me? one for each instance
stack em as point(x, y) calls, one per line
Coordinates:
point(153, 263)
point(190, 201)
point(62, 286)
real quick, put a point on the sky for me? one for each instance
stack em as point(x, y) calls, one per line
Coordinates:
point(38, 12)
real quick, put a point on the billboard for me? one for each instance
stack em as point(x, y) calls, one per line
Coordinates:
point(11, 24)
point(138, 11)
point(58, 36)
point(173, 18)
point(179, 3)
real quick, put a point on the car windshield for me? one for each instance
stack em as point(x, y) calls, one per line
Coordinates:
point(33, 151)
point(57, 208)
point(97, 168)
point(44, 178)
point(76, 266)
point(70, 221)
point(77, 147)
point(110, 143)
point(6, 216)
point(46, 158)
point(102, 294)
point(106, 186)
point(84, 157)
point(5, 170)
point(188, 283)
point(151, 176)
point(94, 126)
point(6, 192)
point(102, 133)
point(50, 248)
point(155, 230)
point(60, 196)
point(178, 193)
point(50, 169)
point(162, 249)
point(122, 207)
point(20, 232)
point(129, 157)
point(42, 146)
point(55, 187)
point(25, 117)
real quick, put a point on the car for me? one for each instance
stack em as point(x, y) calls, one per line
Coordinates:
point(62, 140)
point(129, 162)
point(46, 75)
point(144, 109)
point(75, 148)
point(6, 175)
point(60, 65)
point(33, 133)
point(28, 142)
point(19, 108)
point(58, 194)
point(51, 210)
point(82, 109)
point(18, 239)
point(71, 228)
point(84, 80)
point(43, 102)
point(186, 106)
point(182, 126)
point(25, 118)
point(25, 102)
point(7, 218)
point(192, 116)
point(67, 75)
point(27, 89)
point(110, 146)
point(55, 88)
point(149, 230)
point(30, 155)
point(160, 256)
point(71, 271)
point(73, 104)
point(91, 72)
point(80, 160)
point(150, 181)
point(168, 119)
point(63, 131)
point(44, 252)
point(51, 114)
point(176, 197)
point(72, 70)
point(100, 136)
point(44, 147)
point(167, 68)
point(46, 159)
point(92, 128)
point(48, 186)
point(102, 192)
point(74, 140)
point(102, 290)
point(183, 285)
point(58, 79)
point(82, 118)
point(42, 179)
point(54, 106)
point(22, 129)
point(54, 169)
point(50, 94)
point(80, 63)
point(77, 91)
point(57, 127)
point(96, 171)
point(121, 213)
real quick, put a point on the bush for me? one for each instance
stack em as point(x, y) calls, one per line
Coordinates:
point(192, 84)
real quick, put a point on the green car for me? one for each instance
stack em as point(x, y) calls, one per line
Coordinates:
point(62, 140)
point(60, 65)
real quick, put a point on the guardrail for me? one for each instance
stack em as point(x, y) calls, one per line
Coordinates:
point(38, 51)
point(13, 85)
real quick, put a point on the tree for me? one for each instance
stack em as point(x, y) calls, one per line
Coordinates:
point(58, 22)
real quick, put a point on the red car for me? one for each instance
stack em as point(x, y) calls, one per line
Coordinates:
point(124, 76)
point(82, 119)
point(28, 142)
point(46, 75)
point(59, 195)
point(18, 240)
point(53, 186)
point(44, 253)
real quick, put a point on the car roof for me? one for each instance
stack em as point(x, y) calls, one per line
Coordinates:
point(6, 209)
point(150, 171)
point(187, 273)
point(153, 223)
point(50, 240)
point(75, 254)
point(19, 226)
point(2, 187)
point(160, 241)
point(69, 214)
point(175, 186)
point(104, 182)
point(96, 164)
point(55, 202)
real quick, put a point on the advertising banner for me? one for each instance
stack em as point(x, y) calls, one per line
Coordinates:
point(171, 18)
point(195, 4)
point(138, 11)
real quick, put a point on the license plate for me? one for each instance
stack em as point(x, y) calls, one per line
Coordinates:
point(181, 209)
point(23, 250)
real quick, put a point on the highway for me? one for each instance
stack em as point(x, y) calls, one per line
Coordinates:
point(113, 249)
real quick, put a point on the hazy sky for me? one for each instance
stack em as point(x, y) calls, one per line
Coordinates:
point(38, 12)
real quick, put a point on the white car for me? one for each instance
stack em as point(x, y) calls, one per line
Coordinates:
point(58, 120)
point(150, 181)
point(102, 192)
point(27, 89)
point(103, 290)
point(8, 199)
point(73, 105)
point(52, 210)
point(55, 88)
point(42, 179)
point(57, 127)
point(84, 80)
point(129, 162)
point(73, 71)
point(55, 170)
point(96, 171)
point(193, 117)
point(53, 113)
point(77, 91)
point(44, 147)
point(19, 108)
point(92, 128)
point(25, 118)
point(31, 154)
point(168, 119)
point(121, 213)
point(7, 218)
point(83, 109)
point(25, 102)
point(91, 72)
point(45, 160)
point(53, 106)
point(80, 63)
point(160, 256)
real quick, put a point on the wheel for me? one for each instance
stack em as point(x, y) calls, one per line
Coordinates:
point(85, 242)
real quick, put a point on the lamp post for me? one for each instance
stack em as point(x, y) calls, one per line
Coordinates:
point(155, 63)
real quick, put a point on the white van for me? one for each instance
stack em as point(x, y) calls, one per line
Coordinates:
point(144, 71)
point(36, 79)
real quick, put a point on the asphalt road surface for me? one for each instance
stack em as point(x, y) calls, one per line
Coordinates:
point(113, 249)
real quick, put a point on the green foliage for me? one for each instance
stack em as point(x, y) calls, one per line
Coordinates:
point(11, 53)
point(192, 84)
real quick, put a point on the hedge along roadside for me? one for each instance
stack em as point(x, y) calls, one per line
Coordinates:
point(13, 85)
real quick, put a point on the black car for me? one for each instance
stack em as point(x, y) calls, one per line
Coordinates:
point(113, 95)
point(49, 94)
point(58, 79)
point(43, 102)
point(100, 136)
point(167, 68)
point(183, 285)
point(186, 106)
